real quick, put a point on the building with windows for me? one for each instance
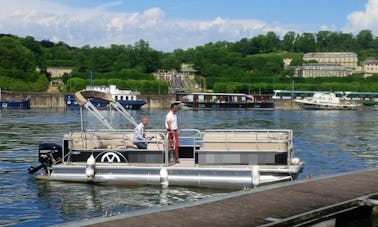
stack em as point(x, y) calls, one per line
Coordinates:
point(369, 67)
point(329, 64)
point(322, 70)
point(346, 59)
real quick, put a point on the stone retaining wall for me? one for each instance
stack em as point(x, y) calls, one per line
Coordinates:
point(44, 100)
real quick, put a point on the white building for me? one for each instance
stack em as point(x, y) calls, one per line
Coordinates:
point(322, 70)
point(369, 67)
point(346, 59)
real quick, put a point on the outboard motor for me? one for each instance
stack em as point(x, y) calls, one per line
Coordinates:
point(48, 154)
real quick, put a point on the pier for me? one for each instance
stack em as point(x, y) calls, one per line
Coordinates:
point(288, 204)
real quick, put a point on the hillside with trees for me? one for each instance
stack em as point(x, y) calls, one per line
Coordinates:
point(251, 65)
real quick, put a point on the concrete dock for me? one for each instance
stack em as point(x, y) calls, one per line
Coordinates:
point(286, 204)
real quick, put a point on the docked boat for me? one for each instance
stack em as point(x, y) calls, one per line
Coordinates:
point(24, 104)
point(14, 104)
point(218, 158)
point(326, 101)
point(225, 101)
point(128, 99)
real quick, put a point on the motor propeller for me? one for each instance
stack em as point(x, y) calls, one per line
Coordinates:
point(33, 169)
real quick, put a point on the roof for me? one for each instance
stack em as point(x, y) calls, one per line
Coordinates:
point(218, 94)
point(329, 54)
point(370, 61)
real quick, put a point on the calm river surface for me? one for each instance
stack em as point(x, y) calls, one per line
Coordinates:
point(328, 141)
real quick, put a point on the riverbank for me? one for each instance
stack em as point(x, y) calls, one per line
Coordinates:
point(46, 100)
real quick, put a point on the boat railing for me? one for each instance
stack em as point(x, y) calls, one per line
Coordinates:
point(188, 138)
point(117, 140)
point(110, 140)
point(121, 140)
point(263, 146)
point(240, 139)
point(244, 146)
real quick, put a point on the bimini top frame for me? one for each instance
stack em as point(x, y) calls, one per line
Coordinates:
point(83, 99)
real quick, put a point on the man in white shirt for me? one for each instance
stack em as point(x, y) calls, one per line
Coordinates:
point(171, 126)
point(139, 137)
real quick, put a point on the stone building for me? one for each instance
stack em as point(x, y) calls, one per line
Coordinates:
point(346, 59)
point(57, 72)
point(322, 70)
point(339, 64)
point(369, 67)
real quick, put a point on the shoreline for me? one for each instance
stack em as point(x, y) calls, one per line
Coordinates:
point(50, 100)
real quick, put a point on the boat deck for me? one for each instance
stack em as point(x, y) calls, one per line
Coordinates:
point(287, 203)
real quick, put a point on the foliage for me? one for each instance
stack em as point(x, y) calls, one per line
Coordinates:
point(13, 55)
point(143, 86)
point(13, 84)
point(250, 65)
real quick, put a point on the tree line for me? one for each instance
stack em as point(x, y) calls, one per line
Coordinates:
point(249, 65)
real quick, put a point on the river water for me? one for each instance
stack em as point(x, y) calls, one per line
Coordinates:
point(328, 141)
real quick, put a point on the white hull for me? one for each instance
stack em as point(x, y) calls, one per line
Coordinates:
point(317, 106)
point(325, 101)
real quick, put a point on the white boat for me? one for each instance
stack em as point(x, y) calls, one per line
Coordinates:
point(220, 158)
point(326, 101)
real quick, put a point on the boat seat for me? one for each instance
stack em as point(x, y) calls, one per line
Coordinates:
point(156, 144)
point(244, 147)
point(81, 140)
point(91, 141)
point(114, 141)
point(85, 140)
point(245, 141)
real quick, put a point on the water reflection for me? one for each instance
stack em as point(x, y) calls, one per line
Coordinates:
point(78, 201)
point(328, 141)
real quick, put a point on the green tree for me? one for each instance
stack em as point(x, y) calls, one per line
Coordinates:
point(288, 41)
point(365, 39)
point(273, 42)
point(13, 55)
point(305, 43)
point(242, 47)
